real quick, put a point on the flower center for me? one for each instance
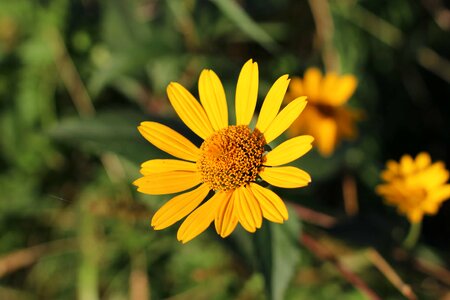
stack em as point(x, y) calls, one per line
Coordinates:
point(326, 110)
point(231, 157)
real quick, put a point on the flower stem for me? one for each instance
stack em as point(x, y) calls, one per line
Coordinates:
point(413, 235)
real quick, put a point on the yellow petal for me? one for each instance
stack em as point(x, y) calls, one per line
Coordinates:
point(167, 182)
point(285, 177)
point(165, 165)
point(226, 219)
point(272, 103)
point(168, 140)
point(344, 88)
point(179, 207)
point(272, 207)
point(200, 219)
point(289, 150)
point(284, 119)
point(212, 97)
point(295, 89)
point(189, 110)
point(440, 194)
point(415, 215)
point(246, 93)
point(311, 83)
point(406, 164)
point(434, 176)
point(326, 135)
point(248, 209)
point(327, 88)
point(392, 165)
point(423, 160)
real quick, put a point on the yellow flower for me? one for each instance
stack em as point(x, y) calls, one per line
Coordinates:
point(326, 118)
point(416, 187)
point(231, 160)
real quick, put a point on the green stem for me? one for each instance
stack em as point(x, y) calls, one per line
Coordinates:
point(413, 235)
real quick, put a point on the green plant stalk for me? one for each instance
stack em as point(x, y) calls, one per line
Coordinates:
point(413, 235)
point(89, 252)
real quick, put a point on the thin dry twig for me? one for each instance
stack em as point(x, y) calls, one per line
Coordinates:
point(323, 253)
point(440, 13)
point(383, 266)
point(139, 285)
point(393, 36)
point(320, 10)
point(350, 195)
point(69, 74)
point(436, 271)
point(433, 62)
point(314, 217)
point(20, 259)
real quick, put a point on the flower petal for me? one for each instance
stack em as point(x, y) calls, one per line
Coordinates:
point(295, 90)
point(179, 207)
point(189, 110)
point(168, 140)
point(289, 150)
point(406, 164)
point(284, 119)
point(326, 134)
point(246, 93)
point(212, 97)
point(285, 177)
point(328, 88)
point(226, 219)
point(272, 103)
point(344, 88)
point(422, 160)
point(311, 83)
point(272, 207)
point(248, 209)
point(200, 219)
point(166, 165)
point(440, 194)
point(167, 182)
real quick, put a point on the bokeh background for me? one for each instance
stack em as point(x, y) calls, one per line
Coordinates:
point(77, 77)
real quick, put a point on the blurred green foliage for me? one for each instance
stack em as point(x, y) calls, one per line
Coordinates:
point(77, 77)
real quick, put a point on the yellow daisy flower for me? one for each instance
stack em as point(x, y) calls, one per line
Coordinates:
point(231, 160)
point(415, 186)
point(326, 118)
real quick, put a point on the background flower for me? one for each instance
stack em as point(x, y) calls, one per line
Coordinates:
point(415, 186)
point(327, 118)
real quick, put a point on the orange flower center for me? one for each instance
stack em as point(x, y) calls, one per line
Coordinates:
point(326, 110)
point(231, 157)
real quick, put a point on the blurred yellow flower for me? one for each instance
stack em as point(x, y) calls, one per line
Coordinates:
point(416, 187)
point(326, 118)
point(231, 160)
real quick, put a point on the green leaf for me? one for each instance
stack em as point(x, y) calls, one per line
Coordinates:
point(114, 132)
point(277, 253)
point(245, 23)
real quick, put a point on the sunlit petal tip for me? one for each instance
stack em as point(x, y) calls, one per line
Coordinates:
point(169, 140)
point(285, 119)
point(289, 150)
point(285, 177)
point(167, 182)
point(179, 207)
point(272, 103)
point(246, 93)
point(213, 99)
point(200, 219)
point(189, 110)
